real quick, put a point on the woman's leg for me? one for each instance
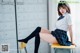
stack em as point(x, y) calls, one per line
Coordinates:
point(45, 35)
point(37, 36)
point(37, 43)
point(44, 30)
point(33, 34)
point(48, 37)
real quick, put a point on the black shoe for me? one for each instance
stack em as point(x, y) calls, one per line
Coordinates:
point(22, 40)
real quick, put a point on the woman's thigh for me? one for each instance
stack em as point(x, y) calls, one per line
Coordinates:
point(48, 37)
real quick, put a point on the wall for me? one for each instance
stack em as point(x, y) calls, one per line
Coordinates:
point(52, 14)
point(7, 26)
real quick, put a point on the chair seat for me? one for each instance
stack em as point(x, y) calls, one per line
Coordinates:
point(60, 46)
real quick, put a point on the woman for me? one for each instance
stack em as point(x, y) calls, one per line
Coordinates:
point(59, 35)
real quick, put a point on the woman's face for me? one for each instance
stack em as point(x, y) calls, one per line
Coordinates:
point(62, 10)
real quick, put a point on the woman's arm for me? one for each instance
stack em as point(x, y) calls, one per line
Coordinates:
point(71, 33)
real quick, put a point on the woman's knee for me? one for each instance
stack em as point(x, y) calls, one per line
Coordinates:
point(44, 30)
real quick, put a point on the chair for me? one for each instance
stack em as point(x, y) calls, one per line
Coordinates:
point(62, 49)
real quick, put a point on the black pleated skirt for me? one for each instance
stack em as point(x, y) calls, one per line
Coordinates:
point(61, 37)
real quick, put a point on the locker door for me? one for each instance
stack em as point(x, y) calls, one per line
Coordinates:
point(7, 27)
point(30, 14)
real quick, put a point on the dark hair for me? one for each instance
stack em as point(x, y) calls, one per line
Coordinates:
point(64, 5)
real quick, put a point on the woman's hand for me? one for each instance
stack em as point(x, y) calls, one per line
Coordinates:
point(73, 44)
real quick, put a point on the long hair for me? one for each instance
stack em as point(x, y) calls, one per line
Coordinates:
point(64, 5)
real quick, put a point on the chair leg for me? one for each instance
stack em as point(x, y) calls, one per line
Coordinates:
point(19, 50)
point(54, 49)
point(25, 50)
point(71, 50)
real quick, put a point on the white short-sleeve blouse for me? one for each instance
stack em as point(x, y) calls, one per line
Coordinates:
point(64, 22)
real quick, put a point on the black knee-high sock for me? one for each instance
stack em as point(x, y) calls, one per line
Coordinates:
point(37, 43)
point(37, 30)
